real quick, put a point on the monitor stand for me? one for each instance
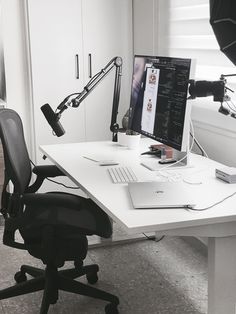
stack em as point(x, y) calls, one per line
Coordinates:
point(182, 157)
point(181, 160)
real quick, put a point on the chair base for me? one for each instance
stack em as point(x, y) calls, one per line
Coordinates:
point(51, 281)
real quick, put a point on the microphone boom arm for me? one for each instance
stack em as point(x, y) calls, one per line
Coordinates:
point(71, 101)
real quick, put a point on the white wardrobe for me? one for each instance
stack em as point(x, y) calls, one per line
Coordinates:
point(70, 41)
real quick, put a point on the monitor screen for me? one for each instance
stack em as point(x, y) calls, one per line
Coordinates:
point(158, 99)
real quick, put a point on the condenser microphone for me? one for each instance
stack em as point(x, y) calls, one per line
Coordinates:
point(53, 120)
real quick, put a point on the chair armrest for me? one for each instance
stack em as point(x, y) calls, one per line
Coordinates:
point(42, 173)
point(38, 208)
point(11, 225)
point(37, 205)
point(53, 199)
point(48, 171)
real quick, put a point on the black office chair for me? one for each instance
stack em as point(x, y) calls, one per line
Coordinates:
point(53, 226)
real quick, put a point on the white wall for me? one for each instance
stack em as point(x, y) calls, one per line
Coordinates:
point(143, 20)
point(15, 53)
point(215, 132)
point(148, 16)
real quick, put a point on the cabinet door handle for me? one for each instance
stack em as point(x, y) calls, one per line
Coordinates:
point(90, 64)
point(77, 66)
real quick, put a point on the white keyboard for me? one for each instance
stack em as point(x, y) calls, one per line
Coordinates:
point(122, 174)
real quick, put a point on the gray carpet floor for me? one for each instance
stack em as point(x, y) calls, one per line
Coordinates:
point(166, 277)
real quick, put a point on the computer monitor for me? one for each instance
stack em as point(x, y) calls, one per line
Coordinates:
point(158, 100)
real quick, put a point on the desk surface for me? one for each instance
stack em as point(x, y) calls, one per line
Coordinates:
point(217, 223)
point(114, 199)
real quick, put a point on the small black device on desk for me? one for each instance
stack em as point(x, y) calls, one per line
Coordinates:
point(153, 152)
point(160, 153)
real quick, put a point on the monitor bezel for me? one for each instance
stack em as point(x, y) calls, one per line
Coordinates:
point(183, 147)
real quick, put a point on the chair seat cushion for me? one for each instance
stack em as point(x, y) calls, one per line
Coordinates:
point(65, 245)
point(70, 218)
point(66, 210)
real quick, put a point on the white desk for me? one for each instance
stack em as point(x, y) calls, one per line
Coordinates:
point(217, 223)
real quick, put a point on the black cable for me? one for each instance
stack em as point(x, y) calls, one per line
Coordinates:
point(56, 182)
point(233, 104)
point(33, 164)
point(93, 78)
point(66, 186)
point(153, 238)
point(196, 142)
point(234, 110)
point(67, 98)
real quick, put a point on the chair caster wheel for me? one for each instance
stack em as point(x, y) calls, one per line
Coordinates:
point(92, 278)
point(111, 308)
point(20, 277)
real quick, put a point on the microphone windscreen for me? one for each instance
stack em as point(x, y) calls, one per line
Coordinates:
point(53, 120)
point(48, 113)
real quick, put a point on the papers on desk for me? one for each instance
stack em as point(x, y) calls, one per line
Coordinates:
point(101, 161)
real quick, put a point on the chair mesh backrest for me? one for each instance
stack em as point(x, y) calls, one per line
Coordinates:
point(16, 158)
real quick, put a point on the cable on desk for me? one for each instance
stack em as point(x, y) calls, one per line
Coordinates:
point(203, 152)
point(153, 238)
point(56, 182)
point(205, 208)
point(196, 141)
point(66, 186)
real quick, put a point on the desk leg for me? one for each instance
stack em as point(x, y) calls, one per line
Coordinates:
point(222, 275)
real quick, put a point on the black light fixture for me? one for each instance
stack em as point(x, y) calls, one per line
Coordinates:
point(223, 22)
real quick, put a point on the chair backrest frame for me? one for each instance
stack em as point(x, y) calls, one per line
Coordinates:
point(16, 157)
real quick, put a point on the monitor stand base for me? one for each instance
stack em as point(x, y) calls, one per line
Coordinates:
point(180, 157)
point(181, 160)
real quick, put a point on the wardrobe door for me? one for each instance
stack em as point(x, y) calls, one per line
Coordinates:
point(107, 28)
point(55, 34)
